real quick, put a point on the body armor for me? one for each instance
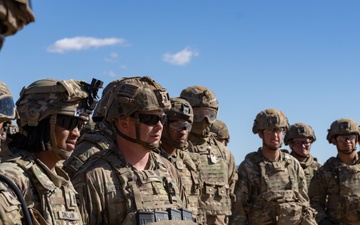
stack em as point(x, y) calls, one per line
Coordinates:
point(340, 185)
point(190, 180)
point(213, 163)
point(50, 197)
point(144, 196)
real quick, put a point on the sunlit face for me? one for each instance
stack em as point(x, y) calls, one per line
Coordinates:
point(179, 130)
point(301, 146)
point(273, 138)
point(346, 143)
point(66, 139)
point(150, 129)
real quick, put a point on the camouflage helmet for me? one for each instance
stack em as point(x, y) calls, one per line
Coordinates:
point(7, 107)
point(99, 111)
point(221, 130)
point(180, 108)
point(342, 126)
point(299, 130)
point(199, 96)
point(14, 15)
point(269, 119)
point(47, 97)
point(133, 94)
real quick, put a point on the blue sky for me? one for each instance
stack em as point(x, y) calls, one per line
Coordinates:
point(301, 57)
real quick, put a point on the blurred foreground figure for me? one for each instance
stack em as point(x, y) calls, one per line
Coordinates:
point(14, 15)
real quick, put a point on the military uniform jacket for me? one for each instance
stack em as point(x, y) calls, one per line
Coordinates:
point(189, 177)
point(310, 166)
point(334, 191)
point(111, 191)
point(88, 144)
point(271, 192)
point(10, 210)
point(217, 171)
point(50, 197)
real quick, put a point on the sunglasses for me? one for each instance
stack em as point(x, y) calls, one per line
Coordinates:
point(345, 138)
point(300, 143)
point(150, 119)
point(7, 107)
point(180, 125)
point(69, 122)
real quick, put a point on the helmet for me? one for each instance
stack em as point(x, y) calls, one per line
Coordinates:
point(199, 96)
point(134, 94)
point(221, 130)
point(268, 119)
point(14, 15)
point(99, 111)
point(7, 107)
point(342, 126)
point(299, 130)
point(47, 97)
point(180, 108)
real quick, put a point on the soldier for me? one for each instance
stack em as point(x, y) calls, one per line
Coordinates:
point(271, 188)
point(129, 183)
point(173, 147)
point(221, 131)
point(299, 137)
point(14, 15)
point(334, 190)
point(216, 164)
point(52, 113)
point(7, 112)
point(94, 140)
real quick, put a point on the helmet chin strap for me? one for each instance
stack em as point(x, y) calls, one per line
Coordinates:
point(61, 154)
point(137, 140)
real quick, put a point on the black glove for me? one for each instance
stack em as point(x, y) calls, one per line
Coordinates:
point(327, 221)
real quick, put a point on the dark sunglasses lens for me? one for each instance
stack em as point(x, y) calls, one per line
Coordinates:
point(69, 122)
point(151, 120)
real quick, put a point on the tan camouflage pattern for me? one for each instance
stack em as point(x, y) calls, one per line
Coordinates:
point(270, 119)
point(14, 15)
point(334, 191)
point(220, 129)
point(271, 192)
point(299, 130)
point(217, 170)
point(49, 96)
point(10, 209)
point(343, 126)
point(112, 191)
point(49, 195)
point(310, 166)
point(87, 145)
point(190, 180)
point(199, 96)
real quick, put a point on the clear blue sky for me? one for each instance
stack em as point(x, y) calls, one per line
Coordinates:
point(301, 57)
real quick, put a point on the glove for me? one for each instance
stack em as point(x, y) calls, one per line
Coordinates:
point(327, 221)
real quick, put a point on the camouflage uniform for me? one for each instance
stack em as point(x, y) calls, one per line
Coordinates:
point(48, 192)
point(221, 131)
point(113, 191)
point(94, 140)
point(10, 210)
point(271, 192)
point(310, 164)
point(215, 163)
point(334, 190)
point(176, 128)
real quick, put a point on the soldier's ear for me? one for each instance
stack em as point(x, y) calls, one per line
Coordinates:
point(260, 133)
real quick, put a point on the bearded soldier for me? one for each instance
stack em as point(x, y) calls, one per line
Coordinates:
point(334, 190)
point(300, 137)
point(271, 188)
